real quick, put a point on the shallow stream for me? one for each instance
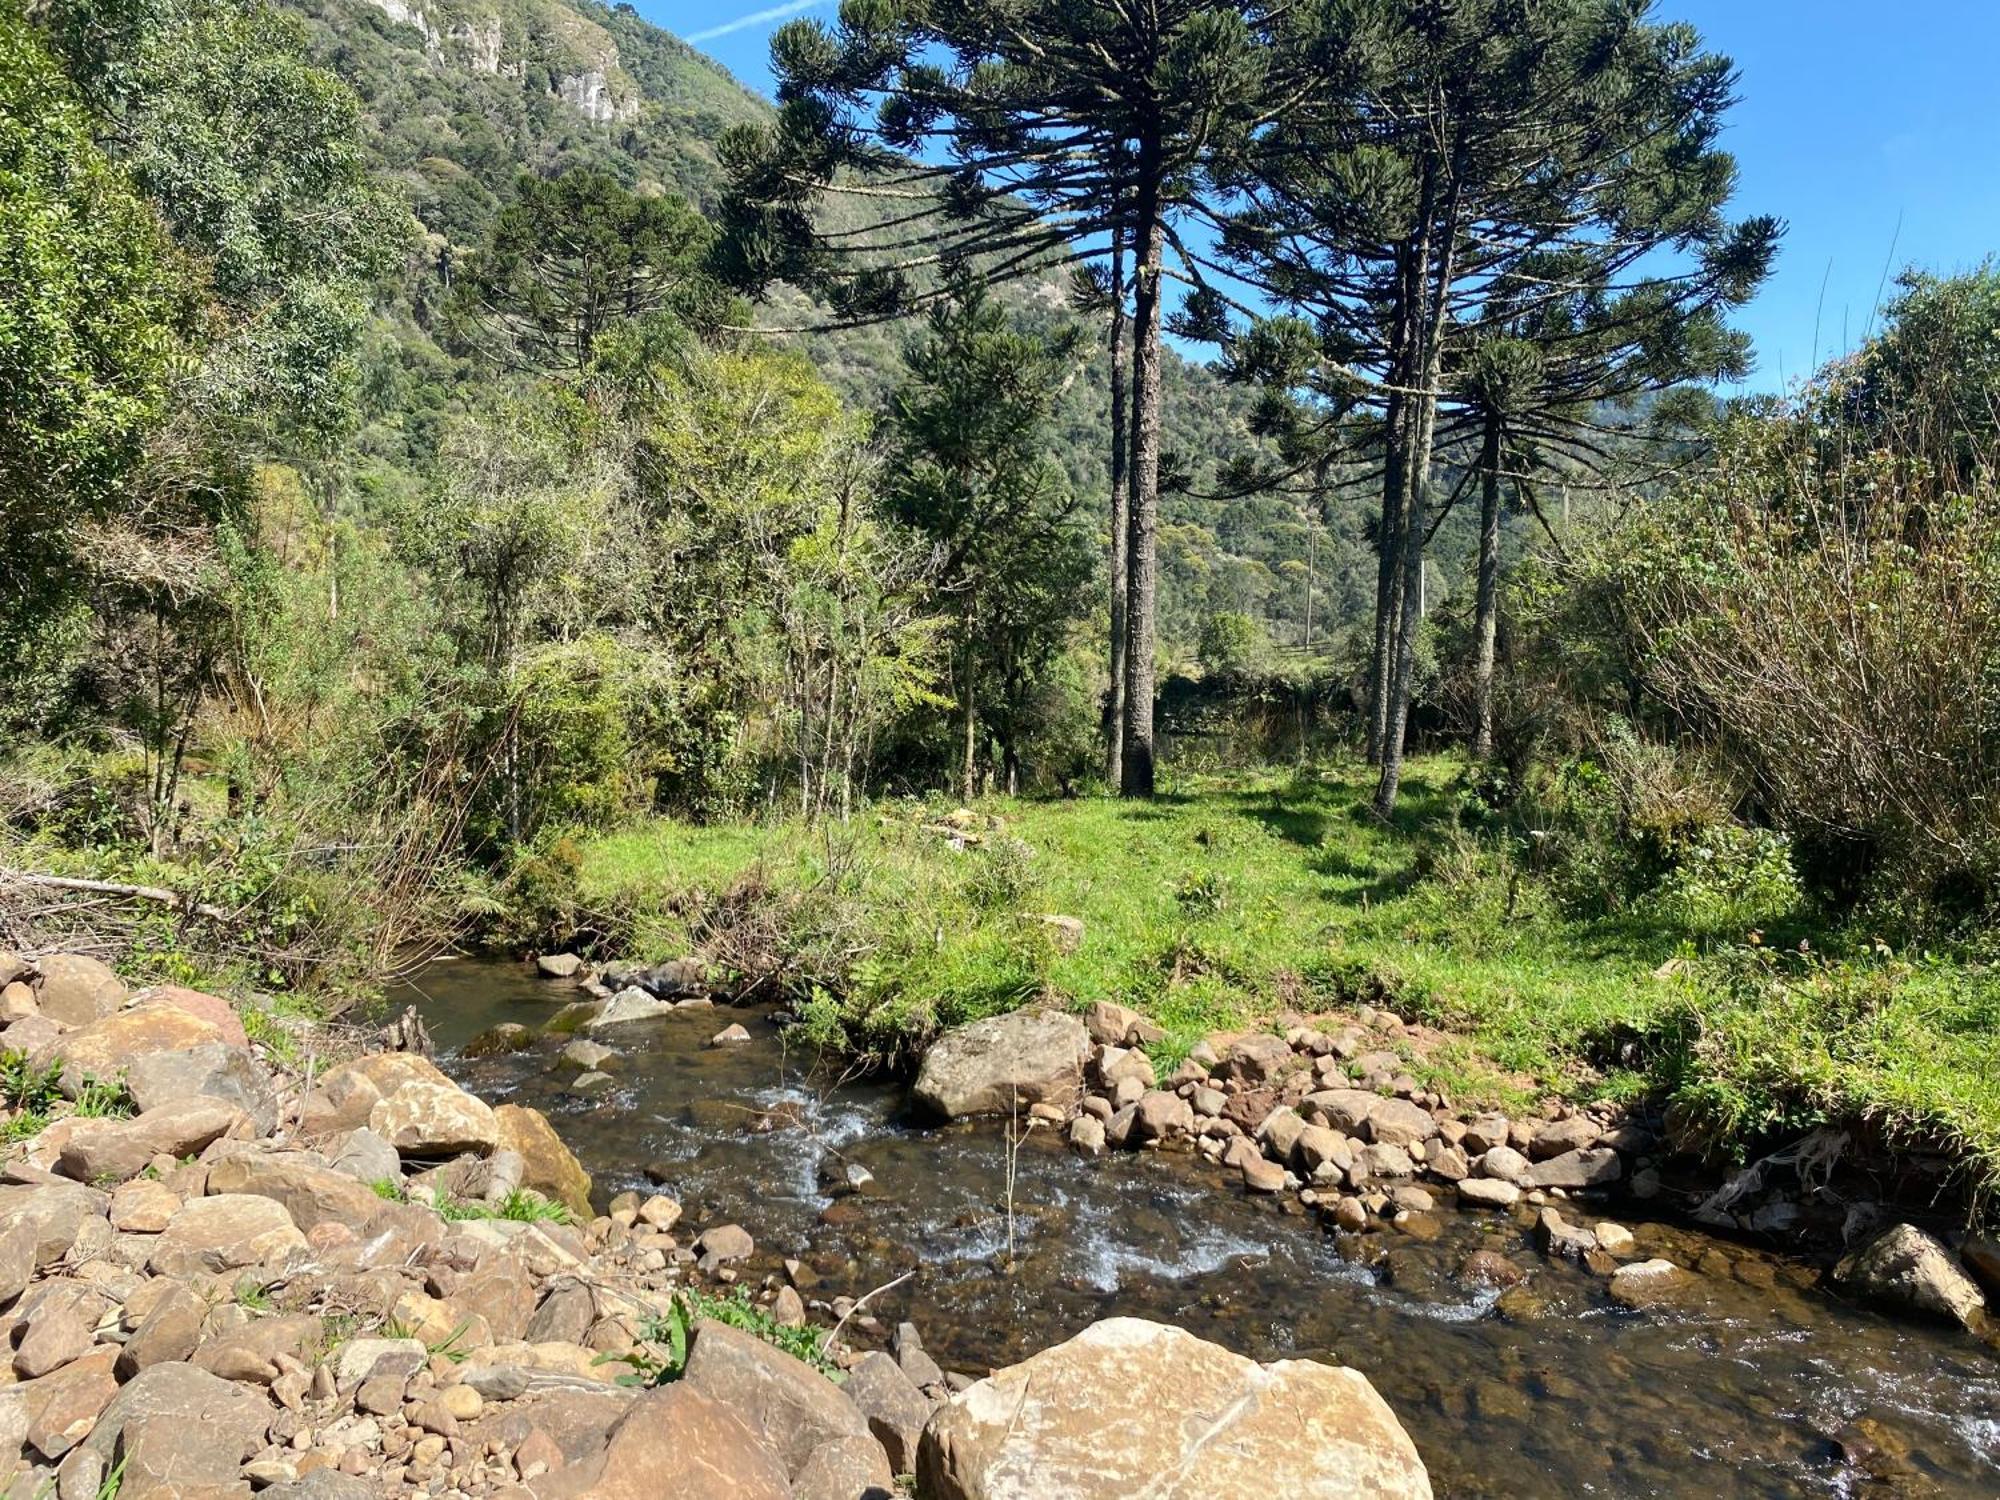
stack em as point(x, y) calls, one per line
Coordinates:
point(1760, 1385)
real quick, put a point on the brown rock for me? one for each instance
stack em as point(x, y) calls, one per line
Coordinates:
point(17, 1003)
point(548, 1165)
point(1003, 1065)
point(225, 1233)
point(1558, 1137)
point(723, 1245)
point(107, 1047)
point(433, 1119)
point(896, 1410)
point(211, 1071)
point(341, 1103)
point(50, 1217)
point(845, 1469)
point(1191, 1421)
point(75, 991)
point(143, 1206)
point(1577, 1169)
point(1649, 1282)
point(1397, 1122)
point(180, 1431)
point(257, 1351)
point(54, 1334)
point(1490, 1268)
point(310, 1193)
point(63, 1407)
point(675, 1441)
point(791, 1405)
point(1254, 1059)
point(1161, 1116)
point(1113, 1025)
point(118, 1150)
point(1905, 1267)
point(169, 1330)
point(216, 1011)
point(1260, 1174)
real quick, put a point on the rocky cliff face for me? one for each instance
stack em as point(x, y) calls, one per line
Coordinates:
point(524, 39)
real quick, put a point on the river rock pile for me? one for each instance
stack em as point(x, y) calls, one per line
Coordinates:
point(358, 1280)
point(1332, 1114)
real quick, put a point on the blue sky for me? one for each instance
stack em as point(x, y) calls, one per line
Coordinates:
point(1871, 128)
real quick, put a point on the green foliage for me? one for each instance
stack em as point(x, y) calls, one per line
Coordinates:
point(669, 1334)
point(520, 1206)
point(34, 1097)
point(568, 260)
point(252, 156)
point(99, 309)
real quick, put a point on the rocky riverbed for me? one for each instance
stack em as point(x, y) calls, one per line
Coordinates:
point(1522, 1361)
point(221, 1278)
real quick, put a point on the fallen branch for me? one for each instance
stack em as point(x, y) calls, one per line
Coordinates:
point(153, 893)
point(887, 1286)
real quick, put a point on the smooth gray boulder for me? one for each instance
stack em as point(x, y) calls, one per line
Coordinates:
point(1004, 1065)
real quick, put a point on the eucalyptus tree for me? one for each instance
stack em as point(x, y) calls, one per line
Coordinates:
point(1419, 209)
point(1018, 136)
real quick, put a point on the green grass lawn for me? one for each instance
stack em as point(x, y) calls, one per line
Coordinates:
point(1225, 904)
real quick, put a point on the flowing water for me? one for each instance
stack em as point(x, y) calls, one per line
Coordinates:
point(1757, 1386)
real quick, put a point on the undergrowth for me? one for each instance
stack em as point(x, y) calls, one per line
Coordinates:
point(1696, 972)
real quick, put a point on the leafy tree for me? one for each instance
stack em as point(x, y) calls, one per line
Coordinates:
point(972, 477)
point(96, 313)
point(798, 620)
point(572, 257)
point(252, 156)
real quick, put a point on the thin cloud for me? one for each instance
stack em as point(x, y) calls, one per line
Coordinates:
point(756, 18)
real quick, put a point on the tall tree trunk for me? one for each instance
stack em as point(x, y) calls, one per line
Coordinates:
point(1416, 515)
point(1395, 501)
point(968, 783)
point(1143, 589)
point(1486, 622)
point(1121, 519)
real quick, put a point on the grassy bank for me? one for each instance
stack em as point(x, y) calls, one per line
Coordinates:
point(1224, 906)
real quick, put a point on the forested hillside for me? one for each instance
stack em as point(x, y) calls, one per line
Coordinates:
point(460, 97)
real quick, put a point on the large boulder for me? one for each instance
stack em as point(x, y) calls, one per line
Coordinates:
point(214, 1071)
point(76, 991)
point(225, 1233)
point(211, 1008)
point(785, 1401)
point(63, 1408)
point(177, 1429)
point(1907, 1268)
point(548, 1166)
point(107, 1047)
point(40, 1222)
point(118, 1150)
point(630, 1004)
point(674, 1441)
point(435, 1119)
point(312, 1194)
point(1003, 1065)
point(1129, 1407)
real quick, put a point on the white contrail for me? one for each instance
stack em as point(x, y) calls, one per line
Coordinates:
point(757, 18)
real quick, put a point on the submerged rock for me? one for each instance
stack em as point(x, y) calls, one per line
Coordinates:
point(1129, 1407)
point(1004, 1065)
point(1907, 1268)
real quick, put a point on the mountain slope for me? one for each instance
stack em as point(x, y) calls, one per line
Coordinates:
point(460, 96)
